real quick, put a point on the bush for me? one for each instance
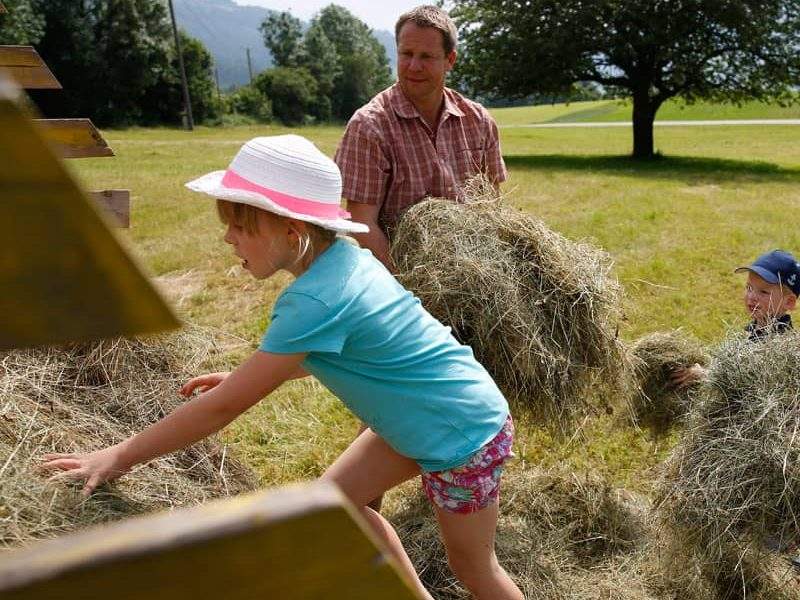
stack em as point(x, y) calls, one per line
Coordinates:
point(292, 90)
point(249, 102)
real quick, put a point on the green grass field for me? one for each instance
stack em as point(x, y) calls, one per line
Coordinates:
point(615, 110)
point(675, 227)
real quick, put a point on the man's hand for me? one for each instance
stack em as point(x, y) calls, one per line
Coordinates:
point(203, 383)
point(683, 378)
point(94, 468)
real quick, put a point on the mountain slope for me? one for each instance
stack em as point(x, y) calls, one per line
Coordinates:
point(227, 29)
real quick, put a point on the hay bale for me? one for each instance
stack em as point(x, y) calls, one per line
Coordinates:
point(656, 402)
point(734, 479)
point(558, 536)
point(541, 312)
point(86, 397)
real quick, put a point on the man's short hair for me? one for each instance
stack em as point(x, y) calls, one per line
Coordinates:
point(431, 16)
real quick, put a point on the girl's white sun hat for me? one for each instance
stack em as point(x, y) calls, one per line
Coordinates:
point(286, 175)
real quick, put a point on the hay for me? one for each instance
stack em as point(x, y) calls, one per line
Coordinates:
point(734, 479)
point(657, 403)
point(89, 396)
point(541, 312)
point(559, 536)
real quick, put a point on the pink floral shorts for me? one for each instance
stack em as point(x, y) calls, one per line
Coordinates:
point(473, 485)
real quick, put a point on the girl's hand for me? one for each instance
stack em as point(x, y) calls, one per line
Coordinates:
point(95, 468)
point(203, 383)
point(683, 378)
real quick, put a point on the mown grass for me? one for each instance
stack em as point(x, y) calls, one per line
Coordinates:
point(618, 110)
point(675, 227)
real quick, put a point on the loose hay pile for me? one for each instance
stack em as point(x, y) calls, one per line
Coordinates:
point(657, 402)
point(733, 483)
point(541, 312)
point(86, 397)
point(559, 536)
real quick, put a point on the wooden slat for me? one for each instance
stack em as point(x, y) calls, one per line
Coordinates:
point(299, 543)
point(116, 204)
point(74, 138)
point(63, 274)
point(27, 68)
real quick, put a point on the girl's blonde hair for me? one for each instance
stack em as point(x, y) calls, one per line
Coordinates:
point(246, 217)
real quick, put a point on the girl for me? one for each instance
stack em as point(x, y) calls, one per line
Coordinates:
point(432, 410)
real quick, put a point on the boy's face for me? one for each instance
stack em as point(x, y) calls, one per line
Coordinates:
point(766, 301)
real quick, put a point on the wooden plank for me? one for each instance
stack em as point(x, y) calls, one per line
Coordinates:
point(24, 65)
point(64, 275)
point(116, 204)
point(74, 138)
point(297, 543)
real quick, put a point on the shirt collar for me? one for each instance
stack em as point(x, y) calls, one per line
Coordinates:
point(406, 109)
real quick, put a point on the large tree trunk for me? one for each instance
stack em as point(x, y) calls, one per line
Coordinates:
point(644, 113)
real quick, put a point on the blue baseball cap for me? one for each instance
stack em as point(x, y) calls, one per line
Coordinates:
point(777, 267)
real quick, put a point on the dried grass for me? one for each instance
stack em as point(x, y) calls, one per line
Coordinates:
point(85, 397)
point(657, 403)
point(734, 480)
point(541, 312)
point(559, 536)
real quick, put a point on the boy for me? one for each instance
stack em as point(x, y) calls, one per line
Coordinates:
point(773, 284)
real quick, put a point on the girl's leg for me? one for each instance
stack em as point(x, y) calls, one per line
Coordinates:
point(469, 539)
point(363, 472)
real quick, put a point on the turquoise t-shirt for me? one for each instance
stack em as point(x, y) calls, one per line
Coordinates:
point(397, 368)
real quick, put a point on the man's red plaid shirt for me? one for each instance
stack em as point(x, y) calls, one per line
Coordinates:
point(389, 157)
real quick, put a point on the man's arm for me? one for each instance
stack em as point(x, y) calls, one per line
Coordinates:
point(493, 164)
point(375, 240)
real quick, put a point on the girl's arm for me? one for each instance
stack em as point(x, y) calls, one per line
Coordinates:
point(203, 383)
point(207, 413)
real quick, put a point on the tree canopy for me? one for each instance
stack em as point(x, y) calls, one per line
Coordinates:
point(115, 59)
point(21, 25)
point(649, 50)
point(348, 63)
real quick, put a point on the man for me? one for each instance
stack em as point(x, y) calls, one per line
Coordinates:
point(417, 138)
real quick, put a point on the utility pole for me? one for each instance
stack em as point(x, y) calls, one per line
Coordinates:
point(249, 65)
point(187, 101)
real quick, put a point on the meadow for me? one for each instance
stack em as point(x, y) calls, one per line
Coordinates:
point(676, 227)
point(621, 110)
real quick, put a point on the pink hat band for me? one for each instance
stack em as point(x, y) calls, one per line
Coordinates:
point(310, 208)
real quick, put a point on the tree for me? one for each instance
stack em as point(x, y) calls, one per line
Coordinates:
point(321, 59)
point(117, 63)
point(106, 54)
point(347, 62)
point(282, 36)
point(363, 66)
point(249, 101)
point(164, 100)
point(292, 91)
point(21, 24)
point(651, 50)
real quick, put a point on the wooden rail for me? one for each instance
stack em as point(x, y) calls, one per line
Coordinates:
point(27, 68)
point(299, 543)
point(64, 275)
point(116, 204)
point(74, 138)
